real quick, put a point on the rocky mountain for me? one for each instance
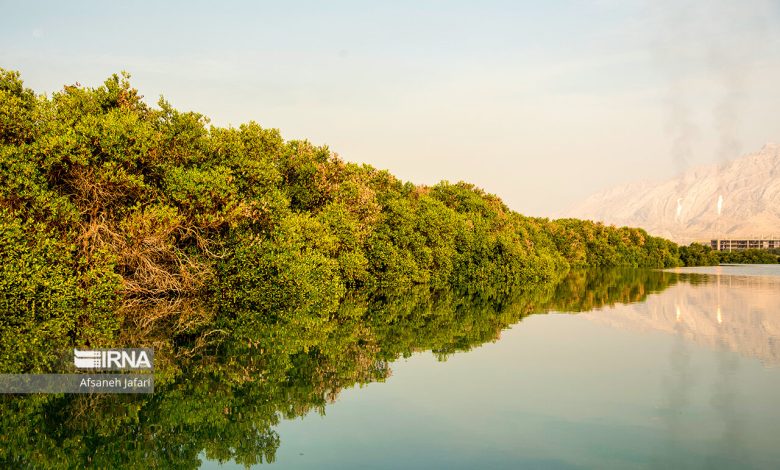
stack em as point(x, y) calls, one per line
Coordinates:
point(739, 198)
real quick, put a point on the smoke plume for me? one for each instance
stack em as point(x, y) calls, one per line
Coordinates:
point(706, 49)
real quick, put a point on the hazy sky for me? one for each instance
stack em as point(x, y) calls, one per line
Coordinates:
point(539, 102)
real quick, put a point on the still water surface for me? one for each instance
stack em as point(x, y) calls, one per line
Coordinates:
point(603, 369)
point(687, 377)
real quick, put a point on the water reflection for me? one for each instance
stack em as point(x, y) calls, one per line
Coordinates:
point(729, 313)
point(738, 313)
point(223, 398)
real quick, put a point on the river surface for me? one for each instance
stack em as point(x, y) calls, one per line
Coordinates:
point(688, 377)
point(604, 369)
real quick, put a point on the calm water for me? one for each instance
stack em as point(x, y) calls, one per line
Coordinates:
point(606, 369)
point(753, 270)
point(686, 378)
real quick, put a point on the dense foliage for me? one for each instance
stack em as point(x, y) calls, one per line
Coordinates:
point(697, 254)
point(108, 204)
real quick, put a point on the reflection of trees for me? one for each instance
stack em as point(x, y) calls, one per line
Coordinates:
point(585, 290)
point(223, 396)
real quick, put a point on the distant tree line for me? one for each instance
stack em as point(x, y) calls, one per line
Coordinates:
point(697, 254)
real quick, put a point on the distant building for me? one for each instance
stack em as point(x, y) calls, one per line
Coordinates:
point(731, 244)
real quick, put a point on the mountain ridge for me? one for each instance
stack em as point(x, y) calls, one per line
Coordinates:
point(746, 192)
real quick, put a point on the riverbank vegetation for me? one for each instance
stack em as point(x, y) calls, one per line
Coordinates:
point(111, 207)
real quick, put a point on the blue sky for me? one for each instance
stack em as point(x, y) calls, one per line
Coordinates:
point(539, 102)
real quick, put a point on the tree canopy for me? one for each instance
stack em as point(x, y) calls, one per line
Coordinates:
point(107, 202)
